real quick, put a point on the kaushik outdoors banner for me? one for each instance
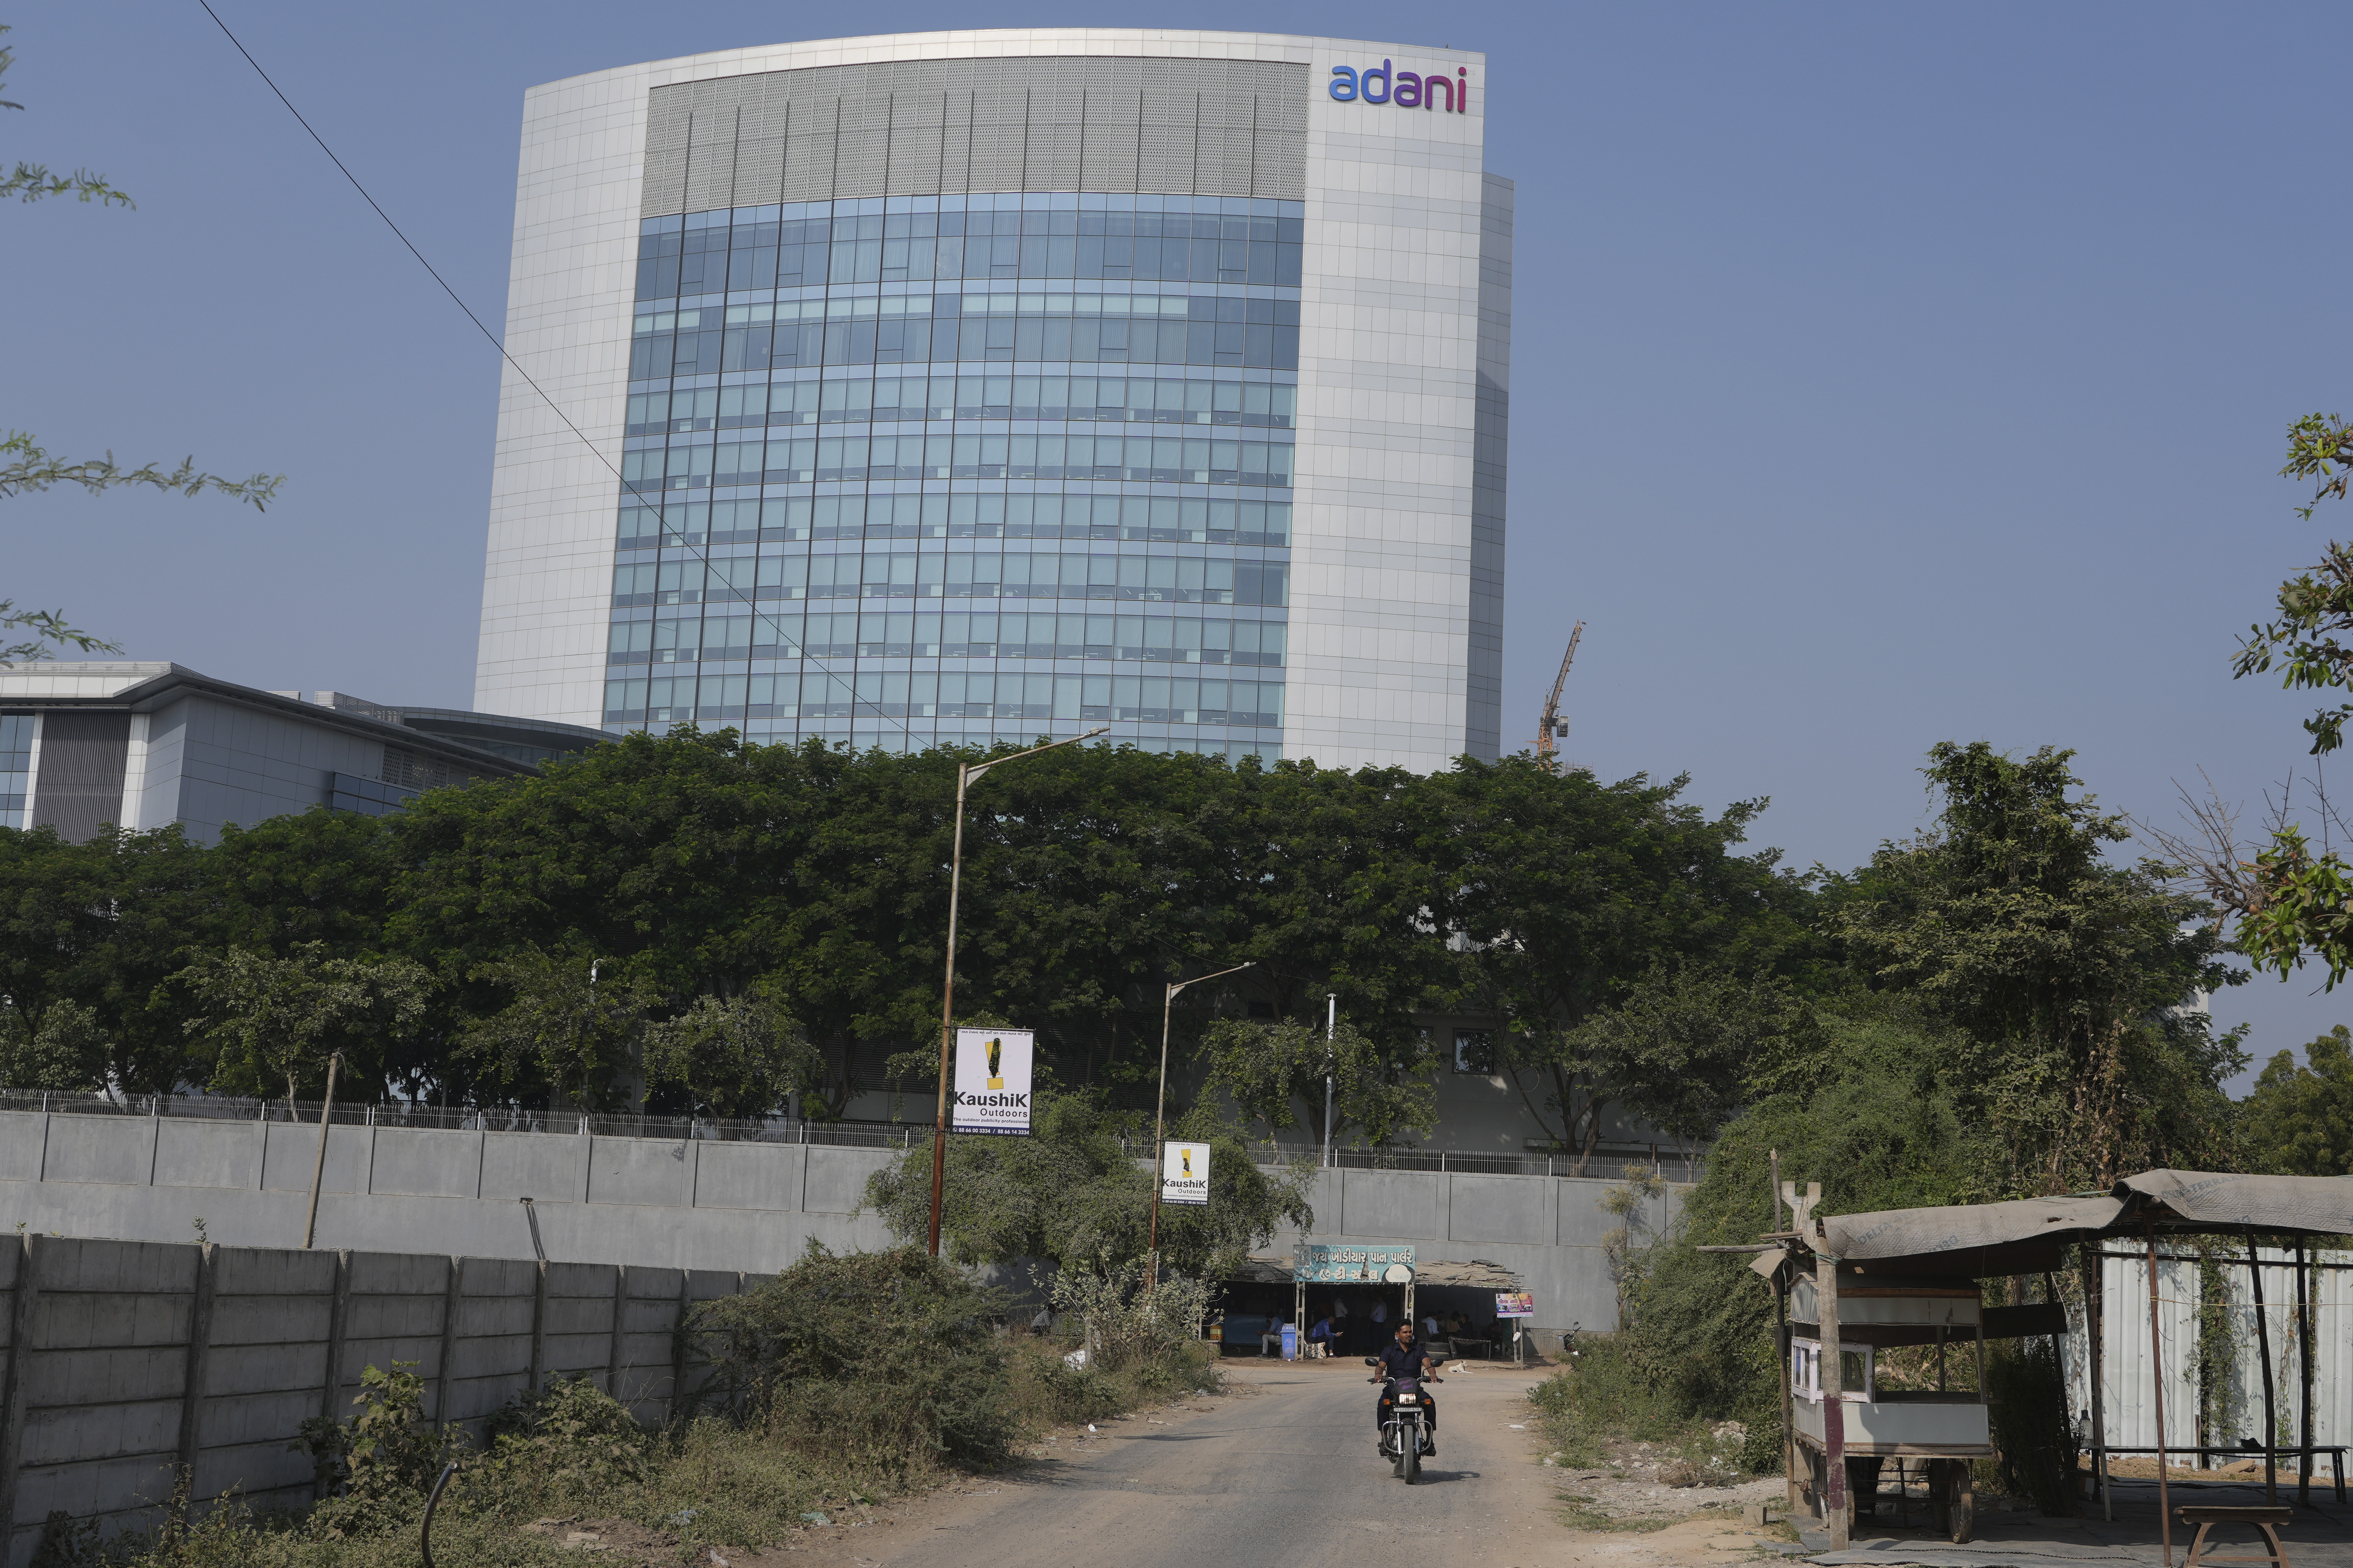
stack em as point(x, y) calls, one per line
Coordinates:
point(992, 1081)
point(1185, 1173)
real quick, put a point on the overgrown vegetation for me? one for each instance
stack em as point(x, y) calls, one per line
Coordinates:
point(1073, 1194)
point(846, 1381)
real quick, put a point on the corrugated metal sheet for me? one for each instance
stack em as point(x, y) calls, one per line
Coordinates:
point(2126, 1390)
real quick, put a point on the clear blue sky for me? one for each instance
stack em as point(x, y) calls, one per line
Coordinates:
point(1883, 375)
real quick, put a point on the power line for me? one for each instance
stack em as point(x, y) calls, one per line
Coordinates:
point(848, 684)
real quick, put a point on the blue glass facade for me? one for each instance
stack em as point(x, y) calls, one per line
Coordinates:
point(925, 470)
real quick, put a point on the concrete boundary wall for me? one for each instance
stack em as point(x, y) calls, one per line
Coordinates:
point(686, 1203)
point(683, 1203)
point(131, 1363)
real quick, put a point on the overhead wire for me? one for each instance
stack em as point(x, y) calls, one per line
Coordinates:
point(847, 683)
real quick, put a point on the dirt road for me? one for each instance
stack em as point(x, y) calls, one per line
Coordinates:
point(1282, 1474)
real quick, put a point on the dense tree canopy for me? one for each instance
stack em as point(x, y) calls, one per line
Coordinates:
point(692, 872)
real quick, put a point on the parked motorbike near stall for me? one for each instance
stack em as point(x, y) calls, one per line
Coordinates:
point(1404, 1414)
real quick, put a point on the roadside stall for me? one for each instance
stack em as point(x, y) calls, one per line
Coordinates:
point(1864, 1283)
point(1360, 1277)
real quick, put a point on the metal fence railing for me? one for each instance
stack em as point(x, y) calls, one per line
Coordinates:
point(1617, 1164)
point(471, 1118)
point(1610, 1162)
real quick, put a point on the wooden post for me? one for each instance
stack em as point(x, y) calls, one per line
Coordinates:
point(2264, 1349)
point(2304, 1380)
point(2096, 1304)
point(318, 1162)
point(1782, 1338)
point(21, 1313)
point(191, 1387)
point(1834, 1497)
point(2156, 1377)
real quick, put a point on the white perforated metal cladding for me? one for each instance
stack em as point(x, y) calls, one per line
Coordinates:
point(917, 128)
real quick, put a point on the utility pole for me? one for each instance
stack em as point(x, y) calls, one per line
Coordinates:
point(965, 774)
point(1554, 728)
point(1160, 1118)
point(1331, 1023)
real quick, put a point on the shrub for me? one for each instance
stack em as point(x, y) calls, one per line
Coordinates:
point(379, 1467)
point(891, 1357)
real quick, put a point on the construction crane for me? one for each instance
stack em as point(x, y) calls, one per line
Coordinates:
point(1555, 728)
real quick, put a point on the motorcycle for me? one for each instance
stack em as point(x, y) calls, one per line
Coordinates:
point(1404, 1422)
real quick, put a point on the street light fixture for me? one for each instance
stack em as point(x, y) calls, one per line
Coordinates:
point(965, 774)
point(1160, 1116)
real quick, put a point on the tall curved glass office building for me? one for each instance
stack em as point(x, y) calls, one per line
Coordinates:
point(976, 386)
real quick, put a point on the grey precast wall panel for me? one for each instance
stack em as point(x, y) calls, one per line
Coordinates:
point(922, 128)
point(531, 1165)
point(108, 1151)
point(206, 1153)
point(640, 1171)
point(427, 1162)
point(1498, 1208)
point(293, 1157)
point(80, 787)
point(748, 1176)
point(839, 1184)
point(1391, 1203)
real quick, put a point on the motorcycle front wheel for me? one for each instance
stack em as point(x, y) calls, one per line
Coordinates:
point(1409, 1453)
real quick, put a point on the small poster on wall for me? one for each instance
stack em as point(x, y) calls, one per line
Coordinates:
point(1515, 1304)
point(992, 1081)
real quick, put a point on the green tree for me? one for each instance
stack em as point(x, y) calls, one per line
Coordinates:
point(270, 1018)
point(103, 925)
point(1684, 1046)
point(1078, 1192)
point(2299, 1120)
point(1890, 1119)
point(737, 1056)
point(574, 1027)
point(1276, 1072)
point(67, 1052)
point(1570, 894)
point(2005, 920)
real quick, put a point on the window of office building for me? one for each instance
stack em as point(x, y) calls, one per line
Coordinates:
point(16, 769)
point(1474, 1051)
point(926, 470)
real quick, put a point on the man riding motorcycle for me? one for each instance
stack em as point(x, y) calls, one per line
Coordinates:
point(1406, 1359)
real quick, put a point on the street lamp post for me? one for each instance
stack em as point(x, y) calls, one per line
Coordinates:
point(1160, 1118)
point(965, 774)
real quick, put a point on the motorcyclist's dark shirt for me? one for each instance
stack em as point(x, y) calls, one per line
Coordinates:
point(1401, 1360)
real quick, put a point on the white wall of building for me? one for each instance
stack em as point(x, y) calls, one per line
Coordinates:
point(1390, 362)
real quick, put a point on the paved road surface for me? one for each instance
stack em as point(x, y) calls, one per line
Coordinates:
point(1284, 1477)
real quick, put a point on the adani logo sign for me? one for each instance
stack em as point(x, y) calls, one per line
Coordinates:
point(1406, 90)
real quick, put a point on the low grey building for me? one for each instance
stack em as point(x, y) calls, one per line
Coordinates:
point(140, 745)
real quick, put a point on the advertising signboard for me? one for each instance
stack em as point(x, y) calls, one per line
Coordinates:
point(1185, 1173)
point(992, 1081)
point(1515, 1304)
point(1314, 1263)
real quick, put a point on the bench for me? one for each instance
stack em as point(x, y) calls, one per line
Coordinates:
point(2265, 1522)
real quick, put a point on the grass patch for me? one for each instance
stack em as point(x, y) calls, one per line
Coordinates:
point(1579, 1512)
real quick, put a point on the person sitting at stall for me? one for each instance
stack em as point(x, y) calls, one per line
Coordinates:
point(1320, 1337)
point(1272, 1338)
